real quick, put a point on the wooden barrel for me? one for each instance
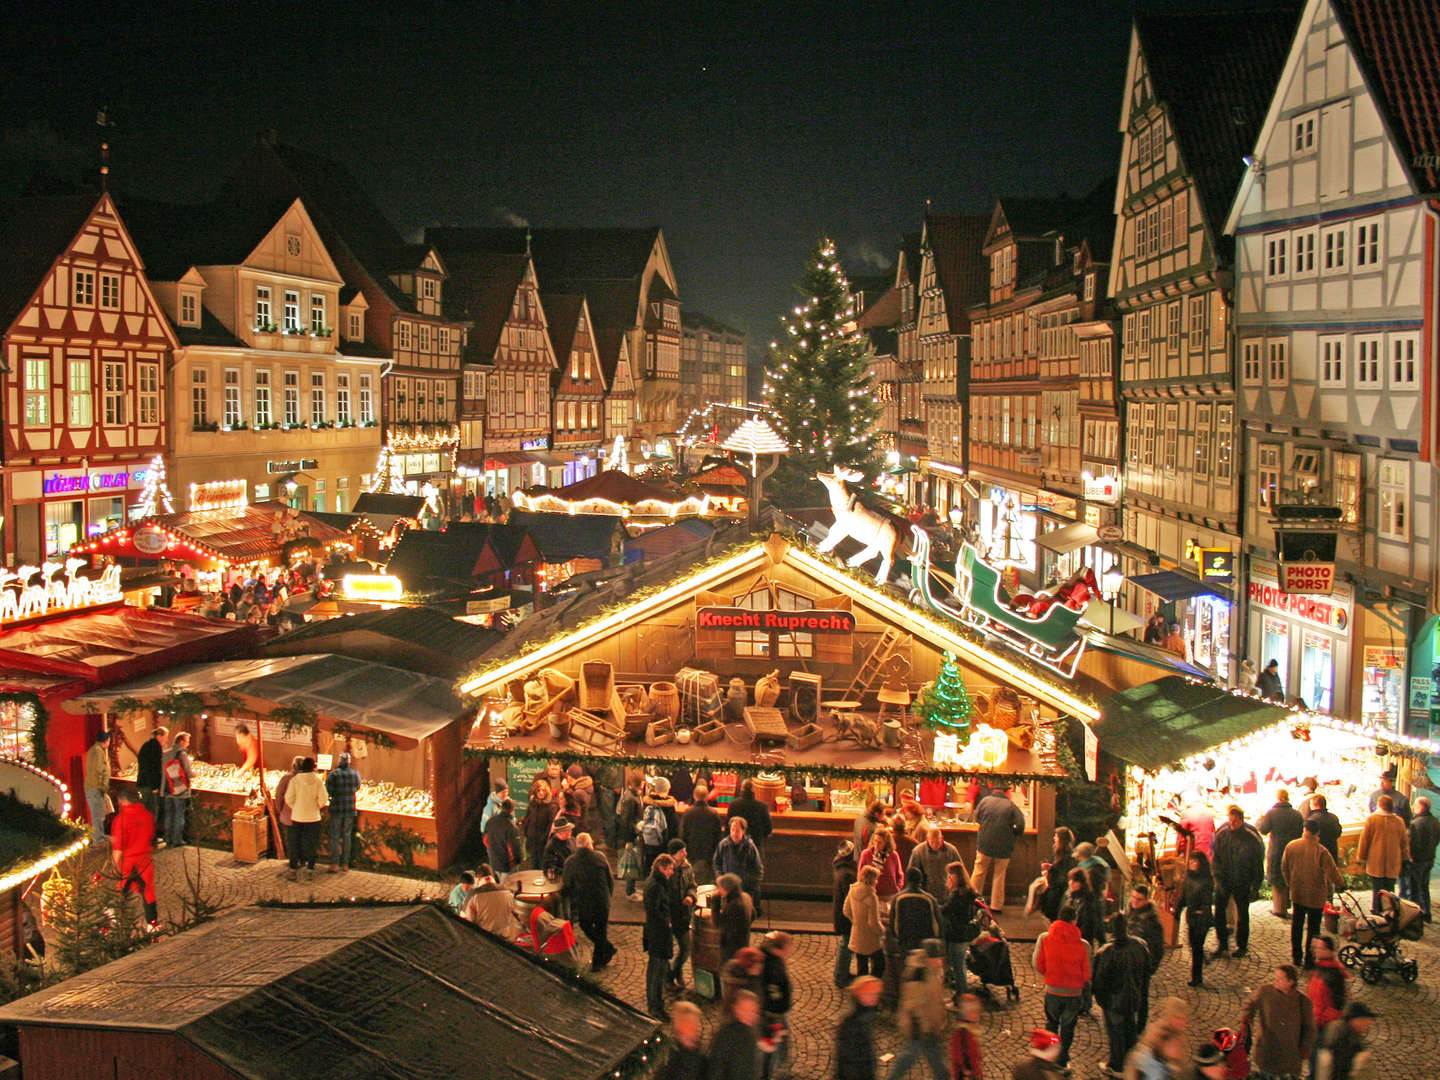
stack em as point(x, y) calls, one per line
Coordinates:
point(665, 699)
point(768, 786)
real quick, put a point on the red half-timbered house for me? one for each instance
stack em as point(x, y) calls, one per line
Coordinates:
point(86, 348)
point(577, 385)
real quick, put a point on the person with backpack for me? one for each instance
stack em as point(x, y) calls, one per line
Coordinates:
point(176, 769)
point(914, 915)
point(738, 855)
point(653, 831)
point(1120, 982)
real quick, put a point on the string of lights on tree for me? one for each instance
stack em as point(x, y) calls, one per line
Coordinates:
point(155, 495)
point(945, 702)
point(817, 379)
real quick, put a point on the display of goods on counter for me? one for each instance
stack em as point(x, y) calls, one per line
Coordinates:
point(379, 796)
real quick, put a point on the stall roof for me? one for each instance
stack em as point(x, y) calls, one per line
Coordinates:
point(1171, 585)
point(562, 537)
point(302, 991)
point(400, 506)
point(1146, 654)
point(1069, 538)
point(339, 688)
point(1173, 718)
point(241, 536)
point(420, 627)
point(669, 539)
point(116, 642)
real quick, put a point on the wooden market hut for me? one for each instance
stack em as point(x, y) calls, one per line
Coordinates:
point(405, 729)
point(33, 837)
point(390, 990)
point(866, 645)
point(421, 639)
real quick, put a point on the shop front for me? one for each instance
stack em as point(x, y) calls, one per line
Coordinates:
point(54, 509)
point(1309, 636)
point(1199, 602)
point(1008, 525)
point(769, 662)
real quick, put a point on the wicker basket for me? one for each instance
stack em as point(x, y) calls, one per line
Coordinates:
point(1006, 711)
point(712, 731)
point(980, 707)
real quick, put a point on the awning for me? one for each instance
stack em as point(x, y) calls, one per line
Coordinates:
point(1109, 618)
point(1171, 585)
point(1171, 719)
point(1131, 649)
point(526, 457)
point(1069, 538)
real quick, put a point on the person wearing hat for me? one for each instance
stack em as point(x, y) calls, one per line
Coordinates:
point(855, 1037)
point(1268, 682)
point(1041, 1063)
point(558, 848)
point(1343, 1053)
point(842, 876)
point(683, 890)
point(921, 1015)
point(1207, 1063)
point(1399, 802)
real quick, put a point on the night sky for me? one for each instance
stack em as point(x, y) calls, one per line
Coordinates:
point(745, 131)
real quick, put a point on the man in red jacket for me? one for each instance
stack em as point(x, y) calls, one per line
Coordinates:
point(1064, 963)
point(132, 841)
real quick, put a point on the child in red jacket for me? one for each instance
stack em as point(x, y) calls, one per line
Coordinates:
point(132, 841)
point(965, 1062)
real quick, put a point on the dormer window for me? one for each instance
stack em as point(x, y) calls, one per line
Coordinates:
point(429, 288)
point(355, 325)
point(189, 309)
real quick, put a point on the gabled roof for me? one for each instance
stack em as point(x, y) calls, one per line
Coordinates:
point(562, 537)
point(1215, 73)
point(421, 555)
point(961, 268)
point(34, 233)
point(484, 285)
point(418, 626)
point(380, 502)
point(608, 346)
point(694, 320)
point(388, 990)
point(559, 254)
point(1089, 219)
point(1397, 45)
point(562, 316)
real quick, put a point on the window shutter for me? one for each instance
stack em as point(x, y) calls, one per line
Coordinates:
point(833, 648)
point(713, 644)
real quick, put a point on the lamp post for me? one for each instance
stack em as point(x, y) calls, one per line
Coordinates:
point(758, 439)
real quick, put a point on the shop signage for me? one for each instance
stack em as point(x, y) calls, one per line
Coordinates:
point(742, 619)
point(1101, 489)
point(27, 592)
point(1059, 504)
point(1216, 564)
point(150, 540)
point(78, 483)
point(373, 587)
point(1328, 614)
point(1385, 657)
point(1092, 754)
point(540, 443)
point(302, 465)
point(1028, 460)
point(1110, 534)
point(1308, 577)
point(487, 607)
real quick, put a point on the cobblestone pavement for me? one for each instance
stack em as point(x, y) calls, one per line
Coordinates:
point(1406, 1039)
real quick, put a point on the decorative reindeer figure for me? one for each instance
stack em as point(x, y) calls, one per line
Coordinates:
point(874, 530)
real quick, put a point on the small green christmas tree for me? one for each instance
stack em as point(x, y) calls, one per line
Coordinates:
point(945, 703)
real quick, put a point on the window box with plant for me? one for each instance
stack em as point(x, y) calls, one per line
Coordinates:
point(262, 327)
point(205, 425)
point(239, 425)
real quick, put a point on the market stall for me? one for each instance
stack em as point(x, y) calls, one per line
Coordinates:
point(1178, 742)
point(768, 661)
point(404, 730)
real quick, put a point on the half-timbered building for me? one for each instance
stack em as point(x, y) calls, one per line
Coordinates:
point(86, 353)
point(1196, 90)
point(911, 441)
point(577, 387)
point(1336, 308)
point(613, 349)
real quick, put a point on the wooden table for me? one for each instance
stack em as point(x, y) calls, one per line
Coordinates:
point(533, 887)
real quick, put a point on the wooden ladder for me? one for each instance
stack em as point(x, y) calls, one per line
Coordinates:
point(871, 669)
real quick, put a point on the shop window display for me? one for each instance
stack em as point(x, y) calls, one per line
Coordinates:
point(1317, 670)
point(1383, 690)
point(1275, 645)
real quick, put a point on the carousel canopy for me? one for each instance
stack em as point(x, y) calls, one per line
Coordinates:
point(611, 493)
point(755, 436)
point(302, 991)
point(1168, 720)
point(339, 688)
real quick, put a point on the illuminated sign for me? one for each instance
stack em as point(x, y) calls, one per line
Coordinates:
point(1308, 577)
point(541, 443)
point(1216, 564)
point(789, 622)
point(150, 540)
point(1101, 489)
point(231, 495)
point(303, 465)
point(1327, 614)
point(375, 587)
point(29, 591)
point(79, 483)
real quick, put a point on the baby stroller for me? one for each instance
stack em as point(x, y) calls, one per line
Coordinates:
point(1374, 945)
point(989, 959)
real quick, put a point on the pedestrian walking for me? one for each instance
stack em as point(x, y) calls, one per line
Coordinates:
point(702, 830)
point(738, 855)
point(1343, 1051)
point(1326, 989)
point(657, 936)
point(1282, 1026)
point(842, 875)
point(967, 1061)
point(178, 772)
point(132, 845)
point(683, 891)
point(684, 1058)
point(1310, 875)
point(1328, 824)
point(1063, 962)
point(933, 858)
point(97, 785)
point(959, 923)
point(341, 784)
point(921, 1014)
point(867, 931)
point(1000, 823)
point(914, 915)
point(1089, 916)
point(306, 798)
point(658, 822)
point(1384, 848)
point(1424, 836)
point(1238, 869)
point(776, 998)
point(1161, 1051)
point(1282, 823)
point(855, 1037)
point(883, 855)
point(1121, 984)
point(586, 885)
point(734, 1048)
point(1142, 923)
point(1268, 682)
point(736, 913)
point(1042, 1061)
point(1196, 903)
point(502, 839)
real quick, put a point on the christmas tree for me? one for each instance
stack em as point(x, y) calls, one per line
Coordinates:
point(945, 703)
point(155, 495)
point(817, 383)
point(388, 479)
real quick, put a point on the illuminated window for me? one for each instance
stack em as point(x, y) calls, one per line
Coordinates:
point(1394, 500)
point(115, 393)
point(764, 643)
point(232, 397)
point(263, 416)
point(83, 292)
point(17, 720)
point(81, 398)
point(147, 402)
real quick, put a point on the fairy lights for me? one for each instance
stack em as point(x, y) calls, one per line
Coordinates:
point(55, 858)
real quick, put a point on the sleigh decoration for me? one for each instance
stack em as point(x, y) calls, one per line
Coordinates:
point(1043, 626)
